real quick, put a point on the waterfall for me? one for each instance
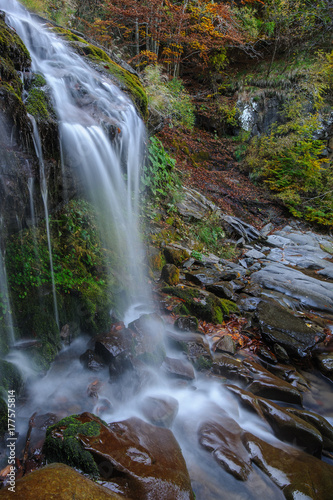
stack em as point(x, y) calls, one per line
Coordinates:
point(5, 308)
point(44, 193)
point(90, 111)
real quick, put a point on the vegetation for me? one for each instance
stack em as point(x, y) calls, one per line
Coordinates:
point(168, 98)
point(159, 178)
point(62, 443)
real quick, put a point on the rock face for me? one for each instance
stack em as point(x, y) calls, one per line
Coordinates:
point(299, 475)
point(280, 326)
point(58, 481)
point(145, 461)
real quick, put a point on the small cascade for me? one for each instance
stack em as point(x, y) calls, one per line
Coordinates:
point(44, 193)
point(6, 321)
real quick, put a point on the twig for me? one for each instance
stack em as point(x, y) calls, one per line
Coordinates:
point(27, 441)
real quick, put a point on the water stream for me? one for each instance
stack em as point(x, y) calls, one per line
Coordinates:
point(110, 171)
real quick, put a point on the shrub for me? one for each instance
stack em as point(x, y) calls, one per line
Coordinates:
point(168, 98)
point(158, 176)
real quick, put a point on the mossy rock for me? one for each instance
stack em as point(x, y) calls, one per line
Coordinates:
point(14, 57)
point(58, 481)
point(3, 417)
point(130, 82)
point(202, 304)
point(170, 274)
point(62, 443)
point(10, 377)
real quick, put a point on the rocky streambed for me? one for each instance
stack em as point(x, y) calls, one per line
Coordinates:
point(223, 391)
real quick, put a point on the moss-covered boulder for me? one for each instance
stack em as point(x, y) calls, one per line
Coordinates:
point(170, 274)
point(127, 80)
point(63, 442)
point(200, 303)
point(58, 481)
point(146, 458)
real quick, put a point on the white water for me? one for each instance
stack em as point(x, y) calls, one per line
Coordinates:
point(91, 111)
point(44, 193)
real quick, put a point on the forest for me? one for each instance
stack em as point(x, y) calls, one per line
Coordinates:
point(199, 59)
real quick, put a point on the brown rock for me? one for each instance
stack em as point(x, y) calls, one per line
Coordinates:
point(298, 474)
point(58, 481)
point(222, 436)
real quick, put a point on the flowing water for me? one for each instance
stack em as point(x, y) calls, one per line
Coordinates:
point(110, 171)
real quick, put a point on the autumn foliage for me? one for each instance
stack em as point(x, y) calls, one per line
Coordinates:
point(173, 34)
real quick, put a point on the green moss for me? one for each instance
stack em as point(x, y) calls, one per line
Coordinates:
point(62, 444)
point(210, 308)
point(203, 363)
point(129, 81)
point(37, 104)
point(10, 377)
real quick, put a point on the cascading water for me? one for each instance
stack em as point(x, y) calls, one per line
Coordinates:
point(44, 193)
point(90, 111)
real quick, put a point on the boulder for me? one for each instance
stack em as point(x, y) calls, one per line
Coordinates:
point(160, 411)
point(298, 474)
point(270, 386)
point(58, 481)
point(309, 291)
point(178, 368)
point(170, 274)
point(144, 458)
point(281, 326)
point(221, 436)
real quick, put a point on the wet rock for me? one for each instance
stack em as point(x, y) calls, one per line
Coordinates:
point(270, 386)
point(285, 428)
point(309, 291)
point(145, 458)
point(112, 344)
point(201, 303)
point(281, 353)
point(160, 411)
point(289, 427)
point(92, 361)
point(226, 344)
point(230, 367)
point(204, 276)
point(298, 474)
point(176, 254)
point(147, 339)
point(247, 303)
point(288, 373)
point(319, 422)
point(178, 368)
point(114, 348)
point(58, 481)
point(65, 334)
point(186, 323)
point(278, 325)
point(325, 363)
point(170, 274)
point(222, 289)
point(221, 436)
